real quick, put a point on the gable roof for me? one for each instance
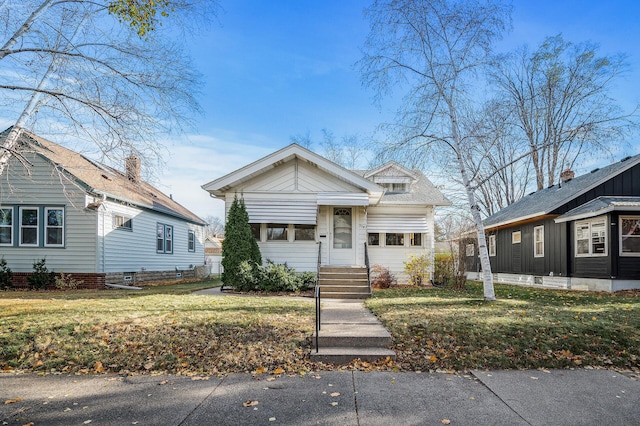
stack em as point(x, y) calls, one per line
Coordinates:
point(100, 179)
point(225, 183)
point(390, 165)
point(549, 199)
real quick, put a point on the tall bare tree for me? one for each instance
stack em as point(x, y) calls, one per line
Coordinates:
point(559, 97)
point(102, 71)
point(434, 49)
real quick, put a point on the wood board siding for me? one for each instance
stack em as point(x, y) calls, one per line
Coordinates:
point(47, 187)
point(135, 250)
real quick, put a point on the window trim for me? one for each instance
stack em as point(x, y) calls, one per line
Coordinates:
point(386, 241)
point(10, 227)
point(515, 240)
point(491, 242)
point(590, 222)
point(165, 227)
point(46, 226)
point(277, 225)
point(125, 219)
point(191, 241)
point(620, 252)
point(535, 241)
point(378, 241)
point(412, 237)
point(302, 226)
point(21, 226)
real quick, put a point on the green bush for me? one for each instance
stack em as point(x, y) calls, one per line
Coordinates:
point(271, 277)
point(40, 278)
point(67, 282)
point(417, 267)
point(443, 269)
point(5, 275)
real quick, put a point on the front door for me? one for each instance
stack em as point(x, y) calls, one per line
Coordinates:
point(343, 226)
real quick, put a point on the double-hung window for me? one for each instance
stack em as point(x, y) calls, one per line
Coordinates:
point(591, 237)
point(6, 226)
point(629, 235)
point(29, 226)
point(192, 241)
point(538, 241)
point(164, 238)
point(54, 227)
point(491, 241)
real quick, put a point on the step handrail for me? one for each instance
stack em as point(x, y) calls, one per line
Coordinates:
point(367, 264)
point(317, 297)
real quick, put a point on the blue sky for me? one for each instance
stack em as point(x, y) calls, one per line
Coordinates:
point(276, 69)
point(273, 69)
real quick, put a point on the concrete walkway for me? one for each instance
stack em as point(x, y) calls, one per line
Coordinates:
point(565, 397)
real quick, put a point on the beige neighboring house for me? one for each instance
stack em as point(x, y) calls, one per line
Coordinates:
point(213, 254)
point(308, 211)
point(93, 221)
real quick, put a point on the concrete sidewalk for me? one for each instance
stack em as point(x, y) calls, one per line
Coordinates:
point(567, 397)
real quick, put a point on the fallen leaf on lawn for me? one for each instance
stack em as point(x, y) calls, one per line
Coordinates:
point(98, 367)
point(317, 376)
point(7, 368)
point(260, 370)
point(149, 365)
point(433, 358)
point(12, 400)
point(446, 421)
point(250, 403)
point(334, 403)
point(278, 370)
point(335, 394)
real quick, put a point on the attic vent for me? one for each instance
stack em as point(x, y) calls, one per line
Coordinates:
point(625, 159)
point(595, 170)
point(106, 177)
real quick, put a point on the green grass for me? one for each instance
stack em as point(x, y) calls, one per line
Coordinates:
point(525, 328)
point(159, 329)
point(167, 329)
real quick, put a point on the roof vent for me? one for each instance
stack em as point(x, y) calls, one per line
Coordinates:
point(625, 159)
point(595, 170)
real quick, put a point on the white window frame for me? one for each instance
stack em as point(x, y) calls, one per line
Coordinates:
point(301, 227)
point(8, 226)
point(369, 235)
point(538, 231)
point(516, 237)
point(21, 227)
point(491, 241)
point(47, 226)
point(470, 250)
point(589, 226)
point(404, 239)
point(627, 254)
point(191, 241)
point(115, 219)
point(412, 237)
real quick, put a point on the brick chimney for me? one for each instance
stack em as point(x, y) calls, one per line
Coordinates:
point(132, 167)
point(567, 175)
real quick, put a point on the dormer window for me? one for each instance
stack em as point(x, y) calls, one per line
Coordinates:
point(395, 187)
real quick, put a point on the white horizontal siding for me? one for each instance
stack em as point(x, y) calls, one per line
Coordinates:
point(47, 187)
point(135, 250)
point(393, 258)
point(398, 223)
point(281, 178)
point(296, 210)
point(301, 255)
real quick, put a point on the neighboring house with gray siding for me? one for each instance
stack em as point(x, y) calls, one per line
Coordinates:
point(91, 220)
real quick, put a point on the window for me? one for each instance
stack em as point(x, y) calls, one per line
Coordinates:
point(342, 228)
point(255, 230)
point(629, 235)
point(191, 244)
point(394, 239)
point(29, 232)
point(54, 227)
point(591, 238)
point(516, 237)
point(373, 239)
point(304, 232)
point(538, 241)
point(6, 227)
point(471, 250)
point(122, 222)
point(395, 187)
point(164, 238)
point(277, 232)
point(416, 240)
point(492, 245)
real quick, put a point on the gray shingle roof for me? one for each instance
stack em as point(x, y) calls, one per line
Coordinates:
point(547, 200)
point(599, 206)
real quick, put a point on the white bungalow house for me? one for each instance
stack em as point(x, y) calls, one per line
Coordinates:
point(308, 211)
point(92, 221)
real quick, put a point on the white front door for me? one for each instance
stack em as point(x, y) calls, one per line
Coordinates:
point(342, 249)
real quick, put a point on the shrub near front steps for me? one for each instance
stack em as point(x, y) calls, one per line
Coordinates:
point(272, 278)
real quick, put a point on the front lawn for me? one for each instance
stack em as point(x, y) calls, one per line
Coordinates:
point(525, 328)
point(158, 329)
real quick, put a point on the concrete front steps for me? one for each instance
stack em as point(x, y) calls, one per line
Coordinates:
point(349, 331)
point(343, 282)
